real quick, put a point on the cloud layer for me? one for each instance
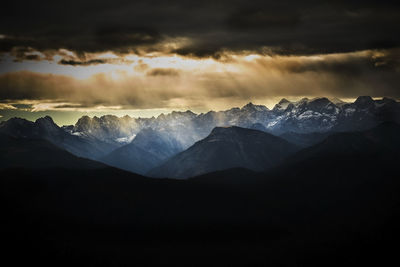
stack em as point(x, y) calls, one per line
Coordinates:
point(241, 79)
point(208, 28)
point(157, 54)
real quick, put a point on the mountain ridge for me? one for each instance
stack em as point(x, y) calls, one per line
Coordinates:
point(224, 148)
point(304, 122)
point(303, 116)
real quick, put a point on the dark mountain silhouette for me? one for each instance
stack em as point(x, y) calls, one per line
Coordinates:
point(305, 139)
point(381, 140)
point(45, 128)
point(96, 137)
point(227, 148)
point(314, 211)
point(366, 113)
point(38, 154)
point(335, 202)
point(258, 126)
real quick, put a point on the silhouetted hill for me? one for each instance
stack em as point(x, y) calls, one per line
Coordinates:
point(381, 140)
point(45, 128)
point(227, 148)
point(337, 204)
point(38, 154)
point(305, 139)
point(317, 212)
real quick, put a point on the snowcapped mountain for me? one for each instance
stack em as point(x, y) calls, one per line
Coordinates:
point(108, 128)
point(303, 116)
point(168, 134)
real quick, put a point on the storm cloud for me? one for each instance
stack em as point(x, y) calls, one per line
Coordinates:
point(210, 27)
point(154, 54)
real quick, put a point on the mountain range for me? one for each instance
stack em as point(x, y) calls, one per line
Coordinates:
point(147, 150)
point(330, 203)
point(303, 116)
point(255, 196)
point(185, 144)
point(45, 128)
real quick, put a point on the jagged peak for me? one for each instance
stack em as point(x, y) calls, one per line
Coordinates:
point(190, 112)
point(46, 119)
point(283, 101)
point(320, 99)
point(178, 113)
point(161, 116)
point(387, 100)
point(83, 119)
point(303, 100)
point(108, 116)
point(251, 106)
point(364, 99)
point(336, 100)
point(283, 104)
point(16, 122)
point(18, 119)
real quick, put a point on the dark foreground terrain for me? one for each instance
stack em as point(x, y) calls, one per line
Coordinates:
point(336, 203)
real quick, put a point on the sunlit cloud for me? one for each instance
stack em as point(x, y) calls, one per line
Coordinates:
point(132, 82)
point(6, 106)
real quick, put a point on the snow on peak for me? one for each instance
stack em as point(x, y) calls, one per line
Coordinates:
point(251, 106)
point(282, 105)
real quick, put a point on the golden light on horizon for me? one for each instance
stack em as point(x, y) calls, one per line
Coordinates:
point(110, 83)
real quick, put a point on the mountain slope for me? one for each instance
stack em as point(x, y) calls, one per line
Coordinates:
point(317, 212)
point(38, 154)
point(302, 116)
point(45, 128)
point(305, 139)
point(382, 140)
point(147, 150)
point(131, 158)
point(227, 148)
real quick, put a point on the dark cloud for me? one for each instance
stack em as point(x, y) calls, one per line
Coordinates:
point(33, 57)
point(82, 63)
point(254, 19)
point(352, 65)
point(34, 86)
point(202, 50)
point(163, 72)
point(213, 27)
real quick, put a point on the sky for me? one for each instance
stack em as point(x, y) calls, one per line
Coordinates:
point(143, 58)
